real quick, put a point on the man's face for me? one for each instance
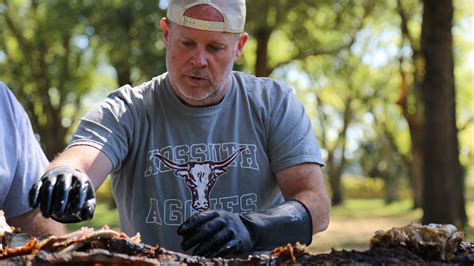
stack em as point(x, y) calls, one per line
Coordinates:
point(200, 62)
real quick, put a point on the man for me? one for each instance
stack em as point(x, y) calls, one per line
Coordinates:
point(235, 150)
point(21, 163)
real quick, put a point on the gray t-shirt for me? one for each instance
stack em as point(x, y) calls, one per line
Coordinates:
point(171, 160)
point(22, 160)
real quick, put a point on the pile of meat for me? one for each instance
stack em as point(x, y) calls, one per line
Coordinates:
point(82, 247)
point(413, 244)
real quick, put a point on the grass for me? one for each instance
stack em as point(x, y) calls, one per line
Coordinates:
point(363, 208)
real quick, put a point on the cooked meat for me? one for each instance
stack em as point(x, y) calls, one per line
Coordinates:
point(431, 242)
point(92, 257)
point(289, 253)
point(81, 236)
point(4, 227)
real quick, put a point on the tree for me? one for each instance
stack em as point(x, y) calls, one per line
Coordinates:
point(381, 156)
point(302, 29)
point(410, 99)
point(129, 34)
point(442, 174)
point(338, 107)
point(47, 63)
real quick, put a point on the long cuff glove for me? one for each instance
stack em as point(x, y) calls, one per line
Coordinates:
point(220, 233)
point(64, 194)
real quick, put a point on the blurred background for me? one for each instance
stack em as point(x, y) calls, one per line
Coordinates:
point(387, 84)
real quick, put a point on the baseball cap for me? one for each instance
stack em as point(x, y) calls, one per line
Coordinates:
point(233, 12)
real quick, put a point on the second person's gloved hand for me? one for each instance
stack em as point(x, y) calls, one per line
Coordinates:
point(65, 194)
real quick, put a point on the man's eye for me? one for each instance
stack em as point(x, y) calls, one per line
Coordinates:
point(215, 48)
point(187, 44)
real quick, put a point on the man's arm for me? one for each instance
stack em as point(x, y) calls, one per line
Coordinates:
point(305, 183)
point(34, 224)
point(87, 159)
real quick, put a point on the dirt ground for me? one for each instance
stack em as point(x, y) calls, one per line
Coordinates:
point(352, 234)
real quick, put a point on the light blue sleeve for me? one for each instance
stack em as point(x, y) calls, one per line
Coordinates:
point(22, 161)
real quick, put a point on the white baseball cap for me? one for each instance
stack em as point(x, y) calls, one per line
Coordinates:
point(233, 12)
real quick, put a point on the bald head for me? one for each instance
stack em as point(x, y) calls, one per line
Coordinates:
point(204, 12)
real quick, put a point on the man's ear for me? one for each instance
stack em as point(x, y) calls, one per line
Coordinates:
point(165, 27)
point(243, 37)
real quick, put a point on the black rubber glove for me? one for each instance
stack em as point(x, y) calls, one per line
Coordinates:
point(221, 233)
point(64, 194)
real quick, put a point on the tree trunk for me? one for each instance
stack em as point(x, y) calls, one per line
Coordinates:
point(414, 113)
point(415, 125)
point(443, 185)
point(123, 73)
point(336, 164)
point(336, 185)
point(262, 37)
point(391, 185)
point(417, 169)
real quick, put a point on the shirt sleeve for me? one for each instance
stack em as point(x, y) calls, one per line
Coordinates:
point(109, 125)
point(25, 160)
point(292, 140)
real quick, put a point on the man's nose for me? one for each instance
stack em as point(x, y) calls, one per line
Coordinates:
point(199, 59)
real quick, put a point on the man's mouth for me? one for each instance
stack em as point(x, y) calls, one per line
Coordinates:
point(197, 78)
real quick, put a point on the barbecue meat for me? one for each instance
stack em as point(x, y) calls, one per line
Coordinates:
point(10, 237)
point(431, 242)
point(4, 227)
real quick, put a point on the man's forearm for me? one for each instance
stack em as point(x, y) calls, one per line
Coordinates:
point(87, 159)
point(34, 224)
point(305, 183)
point(318, 206)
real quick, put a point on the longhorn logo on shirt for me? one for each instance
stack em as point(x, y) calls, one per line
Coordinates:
point(200, 177)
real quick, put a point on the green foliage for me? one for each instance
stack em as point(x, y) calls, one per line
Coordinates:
point(375, 208)
point(369, 188)
point(464, 69)
point(356, 187)
point(47, 62)
point(104, 194)
point(129, 34)
point(296, 30)
point(104, 215)
point(49, 51)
